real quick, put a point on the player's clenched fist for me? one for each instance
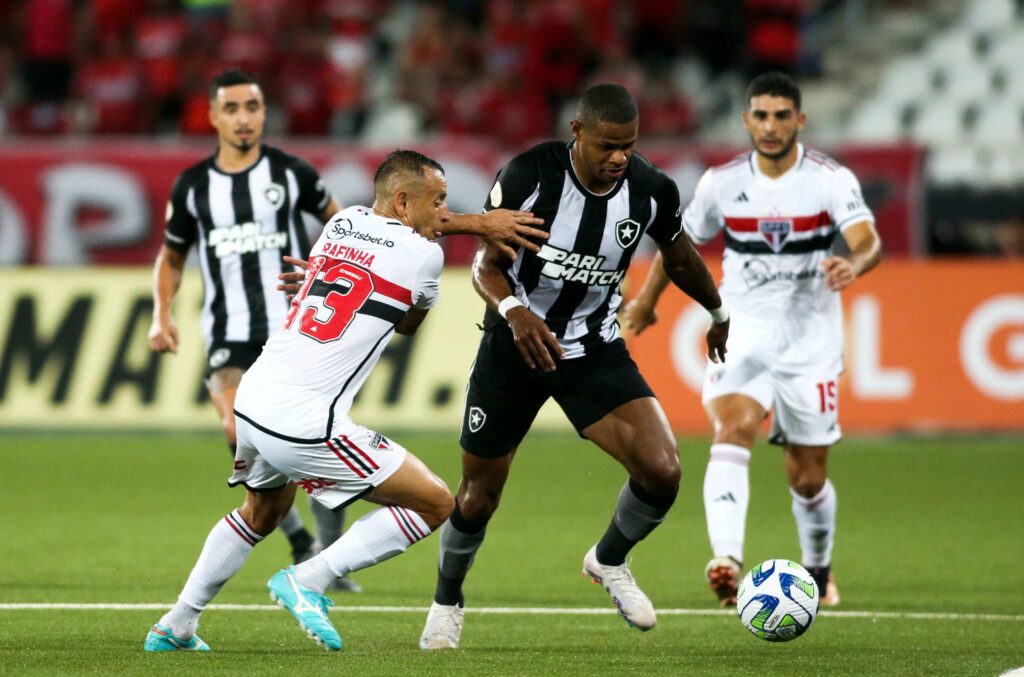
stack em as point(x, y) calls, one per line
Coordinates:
point(534, 340)
point(163, 336)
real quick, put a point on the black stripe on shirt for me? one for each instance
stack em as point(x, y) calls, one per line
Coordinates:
point(252, 279)
point(588, 242)
point(813, 244)
point(217, 303)
point(278, 176)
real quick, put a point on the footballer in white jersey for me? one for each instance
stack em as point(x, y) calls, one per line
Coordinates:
point(365, 272)
point(777, 233)
point(780, 208)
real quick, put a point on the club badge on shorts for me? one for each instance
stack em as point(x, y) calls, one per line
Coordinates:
point(477, 418)
point(219, 357)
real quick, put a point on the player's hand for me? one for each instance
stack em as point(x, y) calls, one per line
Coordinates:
point(839, 273)
point(717, 336)
point(292, 281)
point(505, 230)
point(163, 336)
point(534, 340)
point(637, 315)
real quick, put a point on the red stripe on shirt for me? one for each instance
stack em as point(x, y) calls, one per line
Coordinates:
point(391, 290)
point(359, 473)
point(740, 224)
point(401, 526)
point(366, 457)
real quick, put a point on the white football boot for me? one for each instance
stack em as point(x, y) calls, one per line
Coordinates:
point(443, 628)
point(632, 603)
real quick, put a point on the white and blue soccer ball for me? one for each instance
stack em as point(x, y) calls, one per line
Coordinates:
point(778, 600)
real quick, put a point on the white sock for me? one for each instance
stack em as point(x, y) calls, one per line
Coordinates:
point(328, 522)
point(292, 522)
point(726, 496)
point(816, 525)
point(225, 551)
point(374, 537)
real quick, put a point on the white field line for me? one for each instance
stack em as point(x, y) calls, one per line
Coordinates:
point(536, 611)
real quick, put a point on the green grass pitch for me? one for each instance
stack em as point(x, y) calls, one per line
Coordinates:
point(926, 526)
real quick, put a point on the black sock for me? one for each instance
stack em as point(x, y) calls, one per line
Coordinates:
point(637, 513)
point(820, 576)
point(460, 539)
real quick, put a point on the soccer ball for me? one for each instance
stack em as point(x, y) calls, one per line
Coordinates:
point(777, 600)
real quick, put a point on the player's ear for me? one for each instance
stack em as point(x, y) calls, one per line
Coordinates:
point(400, 201)
point(577, 129)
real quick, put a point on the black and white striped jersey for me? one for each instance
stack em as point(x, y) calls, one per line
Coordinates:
point(573, 282)
point(243, 223)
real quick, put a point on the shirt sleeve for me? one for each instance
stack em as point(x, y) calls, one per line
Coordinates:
point(181, 228)
point(702, 219)
point(846, 205)
point(313, 194)
point(667, 224)
point(514, 184)
point(428, 280)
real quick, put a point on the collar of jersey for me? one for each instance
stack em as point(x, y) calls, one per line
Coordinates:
point(783, 180)
point(213, 163)
point(579, 184)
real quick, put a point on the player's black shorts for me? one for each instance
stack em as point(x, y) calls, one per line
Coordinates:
point(221, 354)
point(504, 394)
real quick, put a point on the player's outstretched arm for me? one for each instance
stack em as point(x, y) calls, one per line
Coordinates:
point(504, 229)
point(687, 270)
point(163, 333)
point(865, 253)
point(640, 312)
point(537, 345)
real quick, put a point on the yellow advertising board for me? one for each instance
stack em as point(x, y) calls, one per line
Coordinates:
point(74, 354)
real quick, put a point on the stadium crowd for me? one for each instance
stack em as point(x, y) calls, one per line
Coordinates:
point(367, 69)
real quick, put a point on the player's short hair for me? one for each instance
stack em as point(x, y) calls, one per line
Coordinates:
point(606, 102)
point(230, 78)
point(402, 161)
point(774, 83)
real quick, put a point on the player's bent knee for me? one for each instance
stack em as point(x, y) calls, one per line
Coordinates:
point(478, 504)
point(442, 504)
point(808, 485)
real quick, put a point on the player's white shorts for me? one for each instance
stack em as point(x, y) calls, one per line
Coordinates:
point(335, 472)
point(804, 400)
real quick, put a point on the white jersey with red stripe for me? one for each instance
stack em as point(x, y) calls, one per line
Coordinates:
point(365, 272)
point(777, 233)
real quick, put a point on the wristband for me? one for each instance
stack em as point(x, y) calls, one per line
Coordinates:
point(719, 315)
point(507, 304)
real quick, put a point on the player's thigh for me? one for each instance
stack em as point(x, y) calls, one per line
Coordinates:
point(502, 399)
point(638, 436)
point(807, 408)
point(591, 387)
point(264, 510)
point(413, 485)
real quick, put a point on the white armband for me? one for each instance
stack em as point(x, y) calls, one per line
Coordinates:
point(507, 304)
point(719, 315)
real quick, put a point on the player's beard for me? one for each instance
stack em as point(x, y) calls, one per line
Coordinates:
point(779, 154)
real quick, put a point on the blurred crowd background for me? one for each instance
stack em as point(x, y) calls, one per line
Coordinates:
point(941, 75)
